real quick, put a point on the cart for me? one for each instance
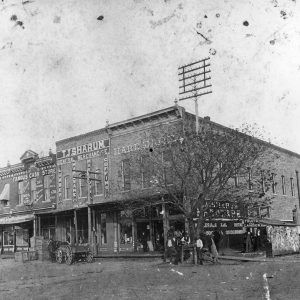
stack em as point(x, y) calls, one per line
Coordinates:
point(64, 252)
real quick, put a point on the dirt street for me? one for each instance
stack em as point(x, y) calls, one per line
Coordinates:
point(149, 279)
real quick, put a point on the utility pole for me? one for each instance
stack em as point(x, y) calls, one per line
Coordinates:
point(194, 83)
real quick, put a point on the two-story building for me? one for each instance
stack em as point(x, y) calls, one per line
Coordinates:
point(95, 213)
point(26, 190)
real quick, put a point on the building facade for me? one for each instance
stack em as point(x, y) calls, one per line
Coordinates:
point(27, 189)
point(94, 213)
point(77, 195)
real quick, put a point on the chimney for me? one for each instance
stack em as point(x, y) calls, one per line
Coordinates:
point(206, 118)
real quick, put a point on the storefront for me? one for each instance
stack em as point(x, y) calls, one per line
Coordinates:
point(16, 232)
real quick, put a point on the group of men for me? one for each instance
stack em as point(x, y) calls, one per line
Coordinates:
point(206, 245)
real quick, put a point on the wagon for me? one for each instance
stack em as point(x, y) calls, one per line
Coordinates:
point(72, 253)
point(64, 252)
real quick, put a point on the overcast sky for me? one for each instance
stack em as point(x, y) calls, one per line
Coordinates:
point(64, 72)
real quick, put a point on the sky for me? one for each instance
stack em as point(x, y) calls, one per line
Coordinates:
point(66, 67)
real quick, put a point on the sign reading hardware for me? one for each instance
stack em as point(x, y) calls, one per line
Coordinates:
point(85, 151)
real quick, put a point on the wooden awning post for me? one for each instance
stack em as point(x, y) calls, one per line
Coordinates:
point(76, 228)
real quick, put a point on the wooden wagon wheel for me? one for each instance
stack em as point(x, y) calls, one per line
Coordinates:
point(69, 255)
point(89, 256)
point(59, 255)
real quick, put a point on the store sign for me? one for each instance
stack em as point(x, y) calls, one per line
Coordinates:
point(16, 219)
point(85, 151)
point(106, 178)
point(145, 144)
point(222, 209)
point(228, 227)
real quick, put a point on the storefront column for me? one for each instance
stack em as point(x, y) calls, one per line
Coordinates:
point(56, 229)
point(94, 230)
point(39, 226)
point(134, 237)
point(115, 232)
point(34, 226)
point(75, 224)
point(165, 225)
point(89, 225)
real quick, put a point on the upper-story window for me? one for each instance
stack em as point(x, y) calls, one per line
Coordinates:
point(263, 185)
point(274, 184)
point(168, 172)
point(20, 191)
point(250, 183)
point(33, 189)
point(67, 187)
point(47, 188)
point(98, 184)
point(292, 187)
point(83, 189)
point(283, 185)
point(126, 175)
point(146, 171)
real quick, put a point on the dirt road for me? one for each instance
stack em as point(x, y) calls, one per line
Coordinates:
point(148, 279)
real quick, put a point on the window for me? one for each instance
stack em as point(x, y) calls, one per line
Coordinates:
point(20, 191)
point(33, 189)
point(262, 174)
point(292, 187)
point(283, 185)
point(98, 184)
point(83, 190)
point(125, 229)
point(147, 171)
point(8, 238)
point(250, 183)
point(274, 183)
point(236, 179)
point(47, 188)
point(126, 174)
point(67, 188)
point(168, 174)
point(103, 228)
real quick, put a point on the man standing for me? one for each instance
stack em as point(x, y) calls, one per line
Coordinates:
point(199, 246)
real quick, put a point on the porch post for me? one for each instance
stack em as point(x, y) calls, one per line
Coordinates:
point(89, 225)
point(39, 226)
point(56, 229)
point(115, 232)
point(165, 225)
point(76, 228)
point(34, 226)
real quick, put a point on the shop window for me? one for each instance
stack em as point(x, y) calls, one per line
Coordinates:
point(292, 187)
point(8, 238)
point(47, 188)
point(67, 187)
point(168, 172)
point(283, 185)
point(33, 189)
point(83, 189)
point(98, 183)
point(20, 191)
point(103, 228)
point(126, 175)
point(125, 229)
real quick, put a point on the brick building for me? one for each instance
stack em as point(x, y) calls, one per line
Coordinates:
point(94, 213)
point(27, 190)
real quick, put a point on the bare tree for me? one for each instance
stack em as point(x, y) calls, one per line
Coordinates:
point(195, 171)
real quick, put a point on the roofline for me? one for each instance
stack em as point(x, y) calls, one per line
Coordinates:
point(120, 123)
point(259, 140)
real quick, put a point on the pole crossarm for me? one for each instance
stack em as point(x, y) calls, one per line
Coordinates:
point(193, 78)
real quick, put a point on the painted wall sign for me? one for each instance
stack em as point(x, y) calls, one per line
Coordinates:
point(86, 151)
point(147, 144)
point(106, 176)
point(74, 182)
point(222, 209)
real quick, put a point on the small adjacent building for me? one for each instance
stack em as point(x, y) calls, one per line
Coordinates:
point(27, 189)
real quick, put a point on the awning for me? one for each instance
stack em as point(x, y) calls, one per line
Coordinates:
point(16, 219)
point(5, 192)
